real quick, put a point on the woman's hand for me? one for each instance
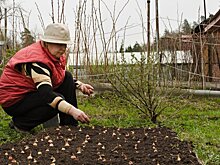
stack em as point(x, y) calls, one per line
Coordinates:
point(79, 115)
point(86, 89)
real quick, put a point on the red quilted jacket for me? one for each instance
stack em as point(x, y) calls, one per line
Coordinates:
point(14, 85)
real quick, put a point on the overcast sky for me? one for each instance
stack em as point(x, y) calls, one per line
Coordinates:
point(171, 12)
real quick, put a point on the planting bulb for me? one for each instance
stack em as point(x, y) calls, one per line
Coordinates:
point(53, 159)
point(100, 157)
point(13, 149)
point(22, 152)
point(69, 139)
point(79, 150)
point(73, 157)
point(26, 147)
point(35, 161)
point(125, 156)
point(47, 150)
point(178, 158)
point(46, 137)
point(6, 154)
point(135, 146)
point(80, 129)
point(39, 153)
point(50, 141)
point(103, 147)
point(66, 144)
point(132, 132)
point(63, 149)
point(34, 144)
point(130, 163)
point(10, 158)
point(84, 143)
point(36, 141)
point(29, 157)
point(14, 161)
point(51, 145)
point(105, 131)
point(99, 144)
point(113, 134)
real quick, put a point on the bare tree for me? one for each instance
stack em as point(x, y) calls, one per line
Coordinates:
point(60, 11)
point(139, 84)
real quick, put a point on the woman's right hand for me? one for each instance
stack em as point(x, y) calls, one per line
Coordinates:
point(79, 115)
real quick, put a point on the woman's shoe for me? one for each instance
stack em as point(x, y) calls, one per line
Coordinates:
point(12, 126)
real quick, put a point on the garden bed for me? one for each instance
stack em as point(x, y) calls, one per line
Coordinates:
point(99, 145)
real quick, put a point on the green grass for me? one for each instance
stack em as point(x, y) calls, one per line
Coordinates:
point(199, 123)
point(197, 120)
point(6, 134)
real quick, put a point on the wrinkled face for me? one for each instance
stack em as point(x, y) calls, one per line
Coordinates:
point(57, 50)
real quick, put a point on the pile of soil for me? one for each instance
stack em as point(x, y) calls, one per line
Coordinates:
point(98, 145)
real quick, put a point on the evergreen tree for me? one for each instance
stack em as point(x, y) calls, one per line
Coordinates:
point(26, 38)
point(186, 28)
point(129, 49)
point(137, 47)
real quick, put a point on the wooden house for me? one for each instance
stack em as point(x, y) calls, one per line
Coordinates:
point(206, 57)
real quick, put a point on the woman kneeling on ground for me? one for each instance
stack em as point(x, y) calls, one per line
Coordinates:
point(35, 87)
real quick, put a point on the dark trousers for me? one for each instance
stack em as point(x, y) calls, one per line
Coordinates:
point(33, 110)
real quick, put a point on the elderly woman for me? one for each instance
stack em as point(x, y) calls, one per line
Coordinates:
point(34, 86)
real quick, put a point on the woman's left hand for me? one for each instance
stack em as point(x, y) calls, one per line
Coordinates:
point(86, 89)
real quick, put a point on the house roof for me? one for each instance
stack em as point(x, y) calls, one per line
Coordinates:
point(209, 25)
point(213, 23)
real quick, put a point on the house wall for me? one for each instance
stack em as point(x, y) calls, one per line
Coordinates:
point(214, 55)
point(211, 56)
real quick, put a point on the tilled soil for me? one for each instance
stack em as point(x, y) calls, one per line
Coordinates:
point(97, 145)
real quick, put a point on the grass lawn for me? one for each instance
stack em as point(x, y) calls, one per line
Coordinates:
point(197, 121)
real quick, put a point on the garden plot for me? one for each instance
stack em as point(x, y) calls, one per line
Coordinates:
point(100, 145)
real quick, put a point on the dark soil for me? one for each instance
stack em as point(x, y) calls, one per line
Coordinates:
point(98, 145)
